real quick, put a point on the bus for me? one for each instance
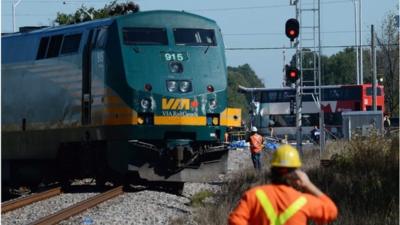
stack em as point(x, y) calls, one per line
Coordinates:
point(274, 110)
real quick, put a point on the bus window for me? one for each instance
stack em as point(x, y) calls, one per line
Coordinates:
point(310, 119)
point(333, 118)
point(282, 120)
point(378, 91)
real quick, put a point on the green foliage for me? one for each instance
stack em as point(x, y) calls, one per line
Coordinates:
point(362, 180)
point(85, 14)
point(245, 76)
point(340, 68)
point(198, 198)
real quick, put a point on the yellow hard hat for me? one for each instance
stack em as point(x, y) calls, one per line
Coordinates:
point(286, 156)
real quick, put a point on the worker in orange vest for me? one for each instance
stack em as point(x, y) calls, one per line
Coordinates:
point(281, 203)
point(256, 145)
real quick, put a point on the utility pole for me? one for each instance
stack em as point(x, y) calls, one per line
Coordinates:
point(356, 42)
point(321, 111)
point(373, 62)
point(14, 6)
point(360, 41)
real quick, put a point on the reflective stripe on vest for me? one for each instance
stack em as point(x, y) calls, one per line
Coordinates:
point(280, 219)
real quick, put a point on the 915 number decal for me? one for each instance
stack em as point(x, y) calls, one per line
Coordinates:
point(174, 56)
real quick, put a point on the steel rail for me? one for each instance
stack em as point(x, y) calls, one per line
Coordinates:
point(79, 207)
point(21, 202)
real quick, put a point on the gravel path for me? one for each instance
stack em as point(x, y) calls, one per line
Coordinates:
point(136, 208)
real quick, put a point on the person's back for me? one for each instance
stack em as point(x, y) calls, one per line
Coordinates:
point(256, 143)
point(319, 209)
point(280, 203)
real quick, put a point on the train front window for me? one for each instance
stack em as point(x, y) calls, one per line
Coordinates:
point(144, 36)
point(185, 36)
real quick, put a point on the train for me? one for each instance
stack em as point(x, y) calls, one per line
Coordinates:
point(142, 95)
point(275, 113)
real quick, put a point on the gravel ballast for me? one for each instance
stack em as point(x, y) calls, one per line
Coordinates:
point(142, 207)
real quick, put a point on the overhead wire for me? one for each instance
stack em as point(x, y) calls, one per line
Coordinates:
point(288, 48)
point(189, 10)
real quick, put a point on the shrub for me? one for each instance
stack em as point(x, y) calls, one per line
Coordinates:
point(362, 179)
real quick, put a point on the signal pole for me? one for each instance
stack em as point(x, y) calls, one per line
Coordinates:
point(298, 88)
point(373, 60)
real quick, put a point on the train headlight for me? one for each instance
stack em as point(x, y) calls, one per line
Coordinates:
point(185, 86)
point(172, 86)
point(213, 103)
point(140, 120)
point(176, 67)
point(145, 103)
point(215, 121)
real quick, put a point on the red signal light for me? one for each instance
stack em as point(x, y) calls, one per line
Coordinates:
point(292, 74)
point(210, 88)
point(292, 29)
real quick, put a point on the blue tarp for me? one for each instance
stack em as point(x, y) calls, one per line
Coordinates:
point(238, 144)
point(269, 145)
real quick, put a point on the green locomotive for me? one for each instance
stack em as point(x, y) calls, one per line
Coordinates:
point(144, 93)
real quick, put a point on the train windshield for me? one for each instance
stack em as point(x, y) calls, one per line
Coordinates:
point(186, 36)
point(144, 36)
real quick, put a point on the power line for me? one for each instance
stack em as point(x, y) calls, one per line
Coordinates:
point(265, 6)
point(288, 48)
point(280, 33)
point(190, 10)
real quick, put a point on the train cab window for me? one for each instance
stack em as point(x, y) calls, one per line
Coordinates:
point(71, 43)
point(185, 36)
point(144, 36)
point(101, 38)
point(54, 46)
point(44, 41)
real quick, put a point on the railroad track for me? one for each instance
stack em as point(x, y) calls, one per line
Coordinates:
point(79, 207)
point(21, 202)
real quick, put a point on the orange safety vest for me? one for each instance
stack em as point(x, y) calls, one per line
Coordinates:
point(274, 218)
point(256, 143)
point(281, 205)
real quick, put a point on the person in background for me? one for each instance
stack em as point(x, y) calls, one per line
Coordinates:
point(290, 199)
point(315, 133)
point(386, 124)
point(256, 146)
point(226, 136)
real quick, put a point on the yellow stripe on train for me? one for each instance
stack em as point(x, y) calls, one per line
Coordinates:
point(180, 120)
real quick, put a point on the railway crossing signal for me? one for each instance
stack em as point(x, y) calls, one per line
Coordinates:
point(292, 74)
point(292, 28)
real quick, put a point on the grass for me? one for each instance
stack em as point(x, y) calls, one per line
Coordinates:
point(362, 179)
point(199, 199)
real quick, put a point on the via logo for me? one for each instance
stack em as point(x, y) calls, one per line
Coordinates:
point(178, 104)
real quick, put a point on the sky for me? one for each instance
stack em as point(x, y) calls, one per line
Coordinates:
point(244, 24)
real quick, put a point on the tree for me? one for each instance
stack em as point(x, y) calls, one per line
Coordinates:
point(388, 61)
point(339, 68)
point(85, 14)
point(245, 76)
